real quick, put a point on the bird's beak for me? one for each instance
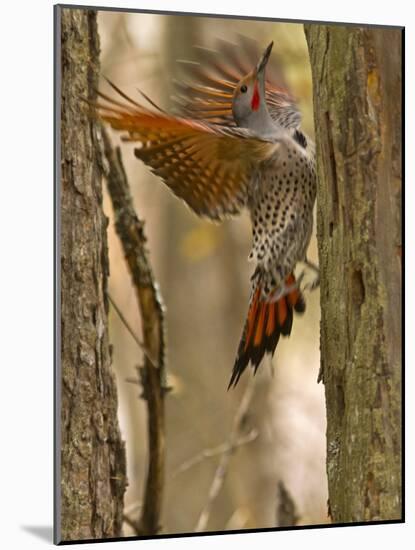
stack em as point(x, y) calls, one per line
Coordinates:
point(263, 61)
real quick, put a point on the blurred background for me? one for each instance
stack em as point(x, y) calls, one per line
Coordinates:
point(203, 274)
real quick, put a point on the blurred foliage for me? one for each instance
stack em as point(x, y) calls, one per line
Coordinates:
point(200, 242)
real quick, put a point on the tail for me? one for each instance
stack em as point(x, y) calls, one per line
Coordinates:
point(266, 321)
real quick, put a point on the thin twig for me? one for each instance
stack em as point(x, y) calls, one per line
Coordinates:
point(130, 330)
point(134, 524)
point(133, 507)
point(221, 470)
point(153, 377)
point(219, 450)
point(238, 519)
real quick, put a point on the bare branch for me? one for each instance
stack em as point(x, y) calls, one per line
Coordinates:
point(130, 330)
point(130, 231)
point(215, 451)
point(221, 470)
point(135, 525)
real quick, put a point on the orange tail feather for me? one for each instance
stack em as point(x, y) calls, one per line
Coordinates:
point(266, 321)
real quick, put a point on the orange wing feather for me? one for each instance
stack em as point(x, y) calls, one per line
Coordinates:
point(207, 90)
point(208, 166)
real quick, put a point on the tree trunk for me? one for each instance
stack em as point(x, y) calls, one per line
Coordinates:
point(91, 472)
point(357, 108)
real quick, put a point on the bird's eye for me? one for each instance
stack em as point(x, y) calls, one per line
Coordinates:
point(244, 89)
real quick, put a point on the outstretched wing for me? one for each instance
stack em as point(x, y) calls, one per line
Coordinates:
point(208, 86)
point(208, 166)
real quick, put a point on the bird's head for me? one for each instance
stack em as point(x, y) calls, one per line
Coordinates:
point(248, 104)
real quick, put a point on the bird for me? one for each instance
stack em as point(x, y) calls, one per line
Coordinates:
point(236, 143)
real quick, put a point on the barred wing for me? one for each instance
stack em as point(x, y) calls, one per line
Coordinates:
point(207, 89)
point(208, 166)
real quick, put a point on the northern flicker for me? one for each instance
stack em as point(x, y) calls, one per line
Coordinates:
point(237, 144)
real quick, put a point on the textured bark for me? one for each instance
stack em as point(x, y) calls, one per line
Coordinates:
point(92, 463)
point(357, 108)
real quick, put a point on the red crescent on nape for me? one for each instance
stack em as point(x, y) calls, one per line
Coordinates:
point(255, 98)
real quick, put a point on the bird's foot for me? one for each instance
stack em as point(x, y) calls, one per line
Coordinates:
point(311, 274)
point(284, 289)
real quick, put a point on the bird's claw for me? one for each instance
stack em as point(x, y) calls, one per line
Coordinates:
point(284, 289)
point(314, 283)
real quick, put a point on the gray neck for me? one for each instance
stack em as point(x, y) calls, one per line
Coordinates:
point(260, 122)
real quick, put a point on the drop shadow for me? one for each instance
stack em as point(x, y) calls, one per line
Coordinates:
point(43, 532)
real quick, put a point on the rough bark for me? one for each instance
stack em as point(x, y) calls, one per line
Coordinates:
point(357, 107)
point(92, 460)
